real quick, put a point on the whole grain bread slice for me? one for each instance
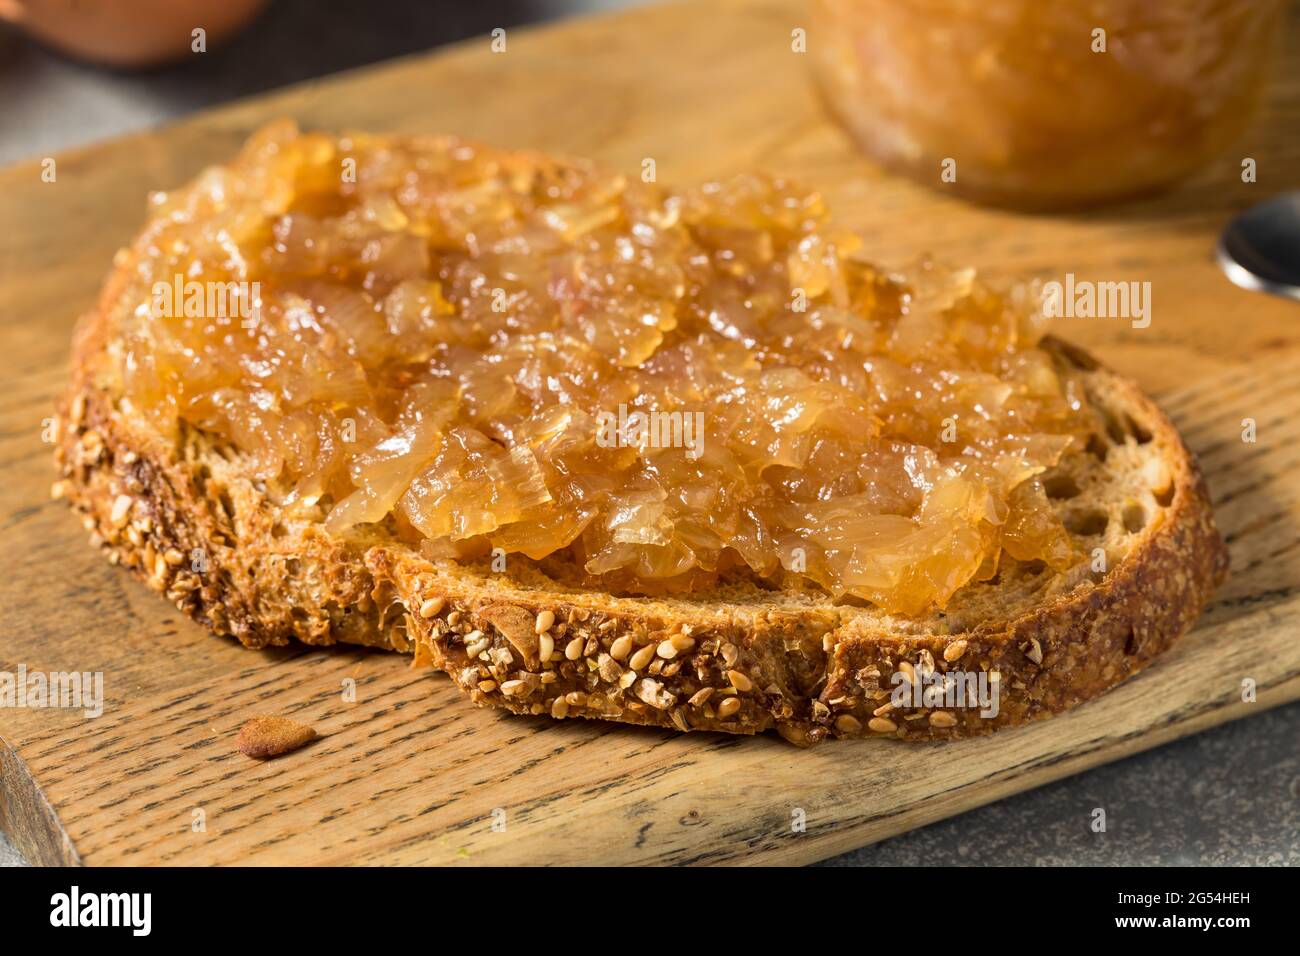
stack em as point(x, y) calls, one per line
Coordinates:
point(186, 512)
point(185, 516)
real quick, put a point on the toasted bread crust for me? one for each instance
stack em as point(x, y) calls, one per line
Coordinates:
point(808, 669)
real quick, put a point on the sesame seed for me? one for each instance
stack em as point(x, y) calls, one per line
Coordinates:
point(666, 650)
point(573, 650)
point(621, 647)
point(545, 647)
point(728, 706)
point(642, 657)
point(682, 642)
point(881, 725)
point(432, 607)
point(942, 719)
point(544, 621)
point(121, 508)
point(740, 681)
point(847, 724)
point(954, 651)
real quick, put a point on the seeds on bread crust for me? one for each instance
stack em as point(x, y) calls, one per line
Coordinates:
point(518, 627)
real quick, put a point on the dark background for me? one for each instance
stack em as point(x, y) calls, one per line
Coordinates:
point(1227, 796)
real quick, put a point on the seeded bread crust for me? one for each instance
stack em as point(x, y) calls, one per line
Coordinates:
point(740, 659)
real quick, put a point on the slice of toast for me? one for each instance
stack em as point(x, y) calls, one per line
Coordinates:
point(185, 514)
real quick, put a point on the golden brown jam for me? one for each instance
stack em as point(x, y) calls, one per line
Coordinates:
point(455, 342)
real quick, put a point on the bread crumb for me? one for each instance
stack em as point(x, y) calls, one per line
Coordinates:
point(270, 736)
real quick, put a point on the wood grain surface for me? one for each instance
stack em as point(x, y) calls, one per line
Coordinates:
point(409, 772)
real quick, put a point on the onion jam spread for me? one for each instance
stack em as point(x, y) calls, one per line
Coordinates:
point(646, 390)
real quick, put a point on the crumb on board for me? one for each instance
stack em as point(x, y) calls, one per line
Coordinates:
point(270, 736)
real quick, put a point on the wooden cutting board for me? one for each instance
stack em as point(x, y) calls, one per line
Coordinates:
point(410, 773)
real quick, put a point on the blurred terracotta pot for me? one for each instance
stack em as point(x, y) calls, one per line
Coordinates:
point(129, 33)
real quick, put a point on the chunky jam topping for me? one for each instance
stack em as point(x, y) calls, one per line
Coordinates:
point(643, 389)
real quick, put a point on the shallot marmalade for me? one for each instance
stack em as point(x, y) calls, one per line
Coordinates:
point(454, 343)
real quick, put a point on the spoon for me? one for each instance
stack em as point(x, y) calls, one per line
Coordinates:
point(1260, 249)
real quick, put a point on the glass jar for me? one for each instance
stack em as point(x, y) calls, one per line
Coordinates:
point(1044, 103)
